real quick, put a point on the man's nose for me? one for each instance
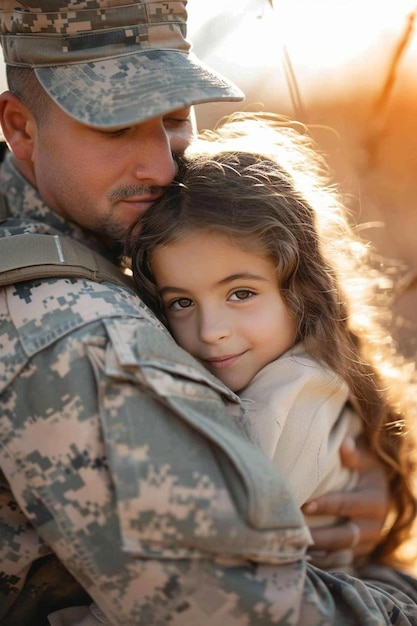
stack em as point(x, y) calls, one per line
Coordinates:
point(154, 165)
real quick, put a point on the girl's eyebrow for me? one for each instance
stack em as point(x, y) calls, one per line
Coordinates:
point(224, 281)
point(241, 276)
point(171, 289)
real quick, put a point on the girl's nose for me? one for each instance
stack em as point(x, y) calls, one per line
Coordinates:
point(213, 327)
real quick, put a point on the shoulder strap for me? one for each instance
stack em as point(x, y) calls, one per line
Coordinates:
point(31, 256)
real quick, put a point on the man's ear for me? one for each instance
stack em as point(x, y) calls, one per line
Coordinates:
point(18, 125)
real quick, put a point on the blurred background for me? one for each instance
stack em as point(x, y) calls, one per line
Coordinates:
point(348, 70)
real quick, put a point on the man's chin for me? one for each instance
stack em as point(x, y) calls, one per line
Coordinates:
point(112, 239)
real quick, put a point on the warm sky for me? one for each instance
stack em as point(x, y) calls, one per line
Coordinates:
point(332, 44)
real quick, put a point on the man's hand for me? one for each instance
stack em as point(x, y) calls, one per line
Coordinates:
point(365, 509)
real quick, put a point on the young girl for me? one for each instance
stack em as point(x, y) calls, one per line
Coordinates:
point(250, 262)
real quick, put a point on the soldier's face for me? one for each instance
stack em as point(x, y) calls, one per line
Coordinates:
point(104, 180)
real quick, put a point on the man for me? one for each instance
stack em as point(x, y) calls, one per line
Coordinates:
point(127, 477)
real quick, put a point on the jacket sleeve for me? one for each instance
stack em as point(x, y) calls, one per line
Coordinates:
point(324, 599)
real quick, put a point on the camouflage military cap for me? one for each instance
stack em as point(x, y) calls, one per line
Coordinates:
point(110, 63)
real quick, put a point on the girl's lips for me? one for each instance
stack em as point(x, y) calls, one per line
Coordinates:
point(223, 361)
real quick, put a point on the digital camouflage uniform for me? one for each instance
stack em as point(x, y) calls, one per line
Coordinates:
point(129, 462)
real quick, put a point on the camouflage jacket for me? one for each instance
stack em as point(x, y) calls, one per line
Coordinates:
point(128, 477)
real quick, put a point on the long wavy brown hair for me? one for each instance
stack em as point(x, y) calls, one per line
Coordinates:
point(261, 180)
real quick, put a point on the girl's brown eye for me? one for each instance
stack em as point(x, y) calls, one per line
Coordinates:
point(180, 304)
point(242, 294)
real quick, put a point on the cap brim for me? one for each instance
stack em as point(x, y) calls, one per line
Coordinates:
point(130, 89)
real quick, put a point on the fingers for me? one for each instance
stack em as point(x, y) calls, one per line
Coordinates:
point(366, 503)
point(365, 509)
point(361, 537)
point(356, 534)
point(355, 455)
point(350, 454)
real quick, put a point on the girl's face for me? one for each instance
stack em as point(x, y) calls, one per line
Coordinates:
point(223, 305)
